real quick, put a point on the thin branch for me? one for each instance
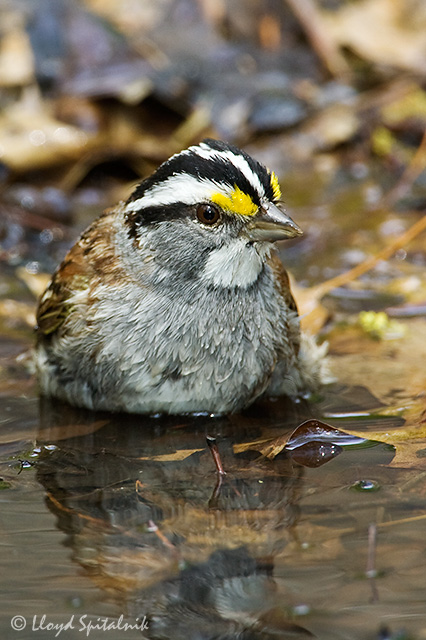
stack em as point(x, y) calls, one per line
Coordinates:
point(388, 251)
point(216, 455)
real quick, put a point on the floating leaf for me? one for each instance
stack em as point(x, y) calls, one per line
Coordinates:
point(315, 454)
point(311, 432)
point(315, 430)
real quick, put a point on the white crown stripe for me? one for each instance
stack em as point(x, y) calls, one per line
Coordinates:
point(239, 162)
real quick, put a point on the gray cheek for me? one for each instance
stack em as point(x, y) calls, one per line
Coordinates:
point(181, 253)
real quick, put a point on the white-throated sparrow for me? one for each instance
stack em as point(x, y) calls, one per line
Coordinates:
point(174, 301)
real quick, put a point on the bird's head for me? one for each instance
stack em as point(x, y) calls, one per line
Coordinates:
point(210, 212)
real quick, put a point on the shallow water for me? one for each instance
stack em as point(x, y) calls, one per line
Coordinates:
point(106, 516)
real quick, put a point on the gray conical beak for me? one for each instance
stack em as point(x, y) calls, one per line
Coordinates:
point(271, 224)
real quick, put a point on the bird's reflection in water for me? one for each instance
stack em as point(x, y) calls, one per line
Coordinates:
point(152, 525)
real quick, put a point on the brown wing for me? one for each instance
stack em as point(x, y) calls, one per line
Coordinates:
point(72, 276)
point(91, 260)
point(52, 310)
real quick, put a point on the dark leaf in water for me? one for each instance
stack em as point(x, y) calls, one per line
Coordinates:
point(311, 431)
point(315, 454)
point(314, 430)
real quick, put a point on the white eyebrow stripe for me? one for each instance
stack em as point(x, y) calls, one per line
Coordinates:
point(181, 187)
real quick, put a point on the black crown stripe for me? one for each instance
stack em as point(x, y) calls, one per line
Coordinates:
point(258, 169)
point(216, 169)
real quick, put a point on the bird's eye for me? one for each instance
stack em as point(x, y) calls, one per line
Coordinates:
point(208, 214)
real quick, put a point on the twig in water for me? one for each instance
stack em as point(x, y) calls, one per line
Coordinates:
point(214, 500)
point(216, 455)
point(371, 572)
point(152, 527)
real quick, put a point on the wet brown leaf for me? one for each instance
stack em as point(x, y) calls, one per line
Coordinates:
point(310, 432)
point(315, 454)
point(176, 456)
point(63, 432)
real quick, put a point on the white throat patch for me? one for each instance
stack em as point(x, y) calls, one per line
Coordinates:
point(235, 265)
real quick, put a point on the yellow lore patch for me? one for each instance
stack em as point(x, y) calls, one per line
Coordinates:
point(275, 186)
point(237, 202)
